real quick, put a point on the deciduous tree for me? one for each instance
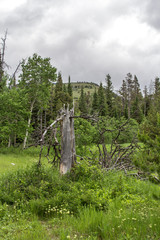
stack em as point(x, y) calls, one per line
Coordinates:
point(36, 78)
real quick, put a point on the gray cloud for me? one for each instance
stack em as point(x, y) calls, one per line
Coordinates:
point(151, 13)
point(83, 40)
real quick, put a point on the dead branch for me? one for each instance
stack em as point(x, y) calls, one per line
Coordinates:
point(14, 74)
point(43, 136)
point(49, 127)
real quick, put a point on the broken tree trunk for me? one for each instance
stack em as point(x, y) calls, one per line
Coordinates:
point(68, 153)
point(68, 149)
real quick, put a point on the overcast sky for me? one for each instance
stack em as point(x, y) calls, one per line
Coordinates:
point(86, 39)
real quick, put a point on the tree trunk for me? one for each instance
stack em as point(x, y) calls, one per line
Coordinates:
point(68, 153)
point(73, 143)
point(15, 138)
point(28, 125)
point(9, 142)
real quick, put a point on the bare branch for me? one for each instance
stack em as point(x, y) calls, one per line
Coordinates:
point(50, 126)
point(14, 74)
point(3, 46)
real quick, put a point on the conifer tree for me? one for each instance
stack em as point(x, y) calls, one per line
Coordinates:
point(109, 95)
point(82, 102)
point(146, 101)
point(136, 101)
point(129, 82)
point(102, 106)
point(156, 95)
point(64, 88)
point(94, 103)
point(61, 96)
point(70, 92)
point(59, 84)
point(123, 93)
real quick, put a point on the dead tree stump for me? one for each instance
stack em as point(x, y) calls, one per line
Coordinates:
point(68, 152)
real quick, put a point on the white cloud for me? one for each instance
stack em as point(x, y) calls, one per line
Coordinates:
point(10, 5)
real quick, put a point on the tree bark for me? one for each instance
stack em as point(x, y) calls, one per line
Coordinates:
point(68, 153)
point(9, 142)
point(28, 125)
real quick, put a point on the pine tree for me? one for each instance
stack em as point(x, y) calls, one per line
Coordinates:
point(136, 101)
point(94, 103)
point(64, 88)
point(146, 101)
point(156, 95)
point(129, 82)
point(137, 110)
point(59, 84)
point(109, 94)
point(82, 102)
point(70, 92)
point(61, 96)
point(123, 93)
point(102, 106)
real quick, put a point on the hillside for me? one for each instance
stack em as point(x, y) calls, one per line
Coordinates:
point(88, 87)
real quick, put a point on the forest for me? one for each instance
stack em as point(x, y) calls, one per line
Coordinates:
point(77, 160)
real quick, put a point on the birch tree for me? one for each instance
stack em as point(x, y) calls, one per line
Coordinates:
point(36, 78)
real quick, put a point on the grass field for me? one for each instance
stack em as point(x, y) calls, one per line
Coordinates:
point(86, 204)
point(13, 159)
point(88, 88)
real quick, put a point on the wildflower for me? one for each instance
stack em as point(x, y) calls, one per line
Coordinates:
point(68, 237)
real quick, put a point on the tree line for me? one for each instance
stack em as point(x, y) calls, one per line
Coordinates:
point(39, 94)
point(31, 101)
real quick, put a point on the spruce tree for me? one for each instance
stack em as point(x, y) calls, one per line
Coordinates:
point(136, 101)
point(82, 102)
point(61, 96)
point(102, 106)
point(123, 93)
point(70, 92)
point(129, 82)
point(109, 95)
point(146, 101)
point(59, 84)
point(156, 95)
point(94, 103)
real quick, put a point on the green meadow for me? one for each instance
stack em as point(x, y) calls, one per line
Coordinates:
point(87, 203)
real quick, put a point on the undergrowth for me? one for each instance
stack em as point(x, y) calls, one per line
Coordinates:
point(87, 203)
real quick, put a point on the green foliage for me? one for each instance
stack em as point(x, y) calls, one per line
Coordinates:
point(86, 203)
point(37, 75)
point(12, 121)
point(94, 109)
point(108, 128)
point(82, 102)
point(149, 135)
point(84, 132)
point(102, 106)
point(60, 96)
point(69, 87)
point(109, 94)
